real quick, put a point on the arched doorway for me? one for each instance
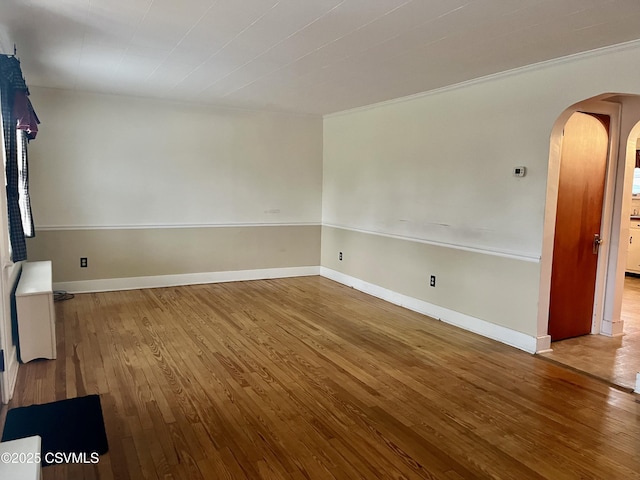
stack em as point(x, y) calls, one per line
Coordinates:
point(603, 282)
point(624, 111)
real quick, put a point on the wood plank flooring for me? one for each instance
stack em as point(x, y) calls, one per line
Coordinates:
point(615, 360)
point(307, 379)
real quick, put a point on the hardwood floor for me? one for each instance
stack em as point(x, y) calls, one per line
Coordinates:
point(307, 379)
point(615, 360)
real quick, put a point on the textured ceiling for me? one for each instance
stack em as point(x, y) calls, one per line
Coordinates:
point(311, 56)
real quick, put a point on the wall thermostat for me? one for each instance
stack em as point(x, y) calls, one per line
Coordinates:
point(519, 171)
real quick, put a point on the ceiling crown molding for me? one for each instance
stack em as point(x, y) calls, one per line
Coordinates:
point(494, 76)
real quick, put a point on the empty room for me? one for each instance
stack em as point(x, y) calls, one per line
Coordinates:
point(328, 239)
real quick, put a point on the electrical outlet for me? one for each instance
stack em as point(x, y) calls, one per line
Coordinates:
point(83, 262)
point(340, 256)
point(432, 281)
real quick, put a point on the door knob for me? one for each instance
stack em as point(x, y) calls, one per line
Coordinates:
point(596, 243)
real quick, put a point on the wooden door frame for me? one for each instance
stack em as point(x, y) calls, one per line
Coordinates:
point(613, 325)
point(613, 110)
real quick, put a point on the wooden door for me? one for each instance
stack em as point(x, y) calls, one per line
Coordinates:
point(583, 167)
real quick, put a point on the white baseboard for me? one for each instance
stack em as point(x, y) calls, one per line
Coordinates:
point(11, 370)
point(156, 281)
point(495, 332)
point(543, 344)
point(637, 389)
point(611, 328)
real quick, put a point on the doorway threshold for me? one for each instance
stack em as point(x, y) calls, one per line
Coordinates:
point(613, 360)
point(622, 386)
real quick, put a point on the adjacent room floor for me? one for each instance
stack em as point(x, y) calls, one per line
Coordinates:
point(304, 378)
point(615, 360)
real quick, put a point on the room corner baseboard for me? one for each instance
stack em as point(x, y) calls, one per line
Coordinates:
point(157, 281)
point(499, 333)
point(496, 332)
point(11, 369)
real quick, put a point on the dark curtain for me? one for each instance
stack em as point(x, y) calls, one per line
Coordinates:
point(11, 81)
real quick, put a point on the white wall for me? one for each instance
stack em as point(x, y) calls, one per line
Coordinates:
point(103, 160)
point(146, 187)
point(437, 168)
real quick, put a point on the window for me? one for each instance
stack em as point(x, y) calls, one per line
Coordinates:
point(636, 181)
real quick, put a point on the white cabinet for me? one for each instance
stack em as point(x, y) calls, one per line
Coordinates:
point(633, 254)
point(35, 311)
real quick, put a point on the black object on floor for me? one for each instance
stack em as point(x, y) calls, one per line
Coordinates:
point(73, 426)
